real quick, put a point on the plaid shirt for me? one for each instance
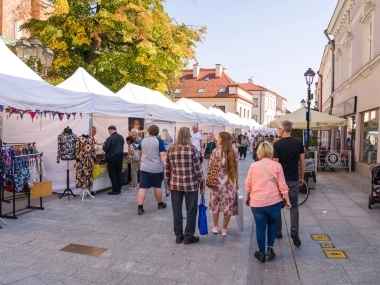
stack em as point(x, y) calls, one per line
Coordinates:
point(183, 170)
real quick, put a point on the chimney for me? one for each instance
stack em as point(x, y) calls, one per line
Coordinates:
point(196, 70)
point(250, 80)
point(218, 70)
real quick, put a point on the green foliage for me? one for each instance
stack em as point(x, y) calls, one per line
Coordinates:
point(297, 133)
point(117, 41)
point(312, 142)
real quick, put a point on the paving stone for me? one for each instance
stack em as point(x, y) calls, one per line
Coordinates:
point(136, 279)
point(16, 275)
point(185, 275)
point(59, 280)
point(107, 276)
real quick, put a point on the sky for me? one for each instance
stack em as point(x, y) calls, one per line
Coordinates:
point(273, 42)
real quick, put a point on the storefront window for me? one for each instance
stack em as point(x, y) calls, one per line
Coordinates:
point(369, 137)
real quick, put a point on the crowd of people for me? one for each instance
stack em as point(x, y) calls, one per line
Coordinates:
point(271, 182)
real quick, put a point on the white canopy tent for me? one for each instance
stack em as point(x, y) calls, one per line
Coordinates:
point(204, 115)
point(231, 122)
point(158, 107)
point(318, 120)
point(239, 121)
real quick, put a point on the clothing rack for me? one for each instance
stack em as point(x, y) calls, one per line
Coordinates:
point(19, 195)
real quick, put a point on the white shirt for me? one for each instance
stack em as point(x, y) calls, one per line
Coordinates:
point(196, 140)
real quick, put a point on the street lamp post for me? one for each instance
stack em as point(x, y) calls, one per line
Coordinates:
point(309, 76)
point(36, 51)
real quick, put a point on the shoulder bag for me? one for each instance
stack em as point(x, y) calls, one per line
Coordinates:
point(273, 180)
point(212, 174)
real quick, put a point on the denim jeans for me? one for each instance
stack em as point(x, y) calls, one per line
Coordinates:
point(294, 213)
point(266, 216)
point(191, 202)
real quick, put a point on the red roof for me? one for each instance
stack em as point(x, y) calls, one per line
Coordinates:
point(254, 87)
point(192, 84)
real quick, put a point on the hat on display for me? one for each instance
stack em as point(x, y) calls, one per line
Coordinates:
point(164, 129)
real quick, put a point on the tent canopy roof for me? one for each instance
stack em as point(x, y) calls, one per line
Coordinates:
point(318, 120)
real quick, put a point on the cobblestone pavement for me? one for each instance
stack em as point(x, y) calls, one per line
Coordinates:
point(142, 249)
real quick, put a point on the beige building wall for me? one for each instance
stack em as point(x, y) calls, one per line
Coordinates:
point(355, 27)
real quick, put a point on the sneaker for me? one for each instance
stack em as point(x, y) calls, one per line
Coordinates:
point(179, 239)
point(278, 235)
point(224, 232)
point(270, 253)
point(260, 256)
point(296, 239)
point(191, 240)
point(131, 188)
point(140, 211)
point(162, 206)
point(215, 230)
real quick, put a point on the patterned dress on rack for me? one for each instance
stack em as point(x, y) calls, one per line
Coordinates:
point(222, 199)
point(85, 157)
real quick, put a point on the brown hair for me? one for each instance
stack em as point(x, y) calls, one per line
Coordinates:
point(153, 130)
point(231, 163)
point(183, 137)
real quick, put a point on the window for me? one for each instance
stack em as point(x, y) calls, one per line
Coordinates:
point(177, 90)
point(348, 60)
point(183, 79)
point(222, 89)
point(244, 113)
point(17, 33)
point(240, 112)
point(369, 136)
point(368, 39)
point(255, 102)
point(201, 90)
point(254, 117)
point(223, 108)
point(248, 114)
point(207, 78)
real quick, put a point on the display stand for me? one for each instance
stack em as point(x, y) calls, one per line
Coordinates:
point(67, 191)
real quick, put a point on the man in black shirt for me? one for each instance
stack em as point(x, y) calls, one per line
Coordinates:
point(114, 149)
point(288, 151)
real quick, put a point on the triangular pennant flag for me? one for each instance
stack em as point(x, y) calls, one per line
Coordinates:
point(22, 114)
point(80, 114)
point(73, 115)
point(45, 112)
point(39, 113)
point(1, 108)
point(60, 116)
point(32, 114)
point(53, 114)
point(68, 116)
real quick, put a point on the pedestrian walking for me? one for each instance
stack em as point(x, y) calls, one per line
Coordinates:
point(288, 151)
point(255, 145)
point(153, 156)
point(223, 198)
point(134, 159)
point(243, 147)
point(114, 149)
point(266, 187)
point(184, 177)
point(196, 140)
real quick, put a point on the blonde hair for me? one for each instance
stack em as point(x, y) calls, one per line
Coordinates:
point(183, 137)
point(265, 150)
point(165, 136)
point(231, 163)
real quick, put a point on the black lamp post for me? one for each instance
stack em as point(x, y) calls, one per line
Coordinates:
point(309, 76)
point(36, 51)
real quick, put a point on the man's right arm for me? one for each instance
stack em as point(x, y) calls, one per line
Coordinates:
point(302, 168)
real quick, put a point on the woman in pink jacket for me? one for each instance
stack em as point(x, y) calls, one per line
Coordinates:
point(266, 187)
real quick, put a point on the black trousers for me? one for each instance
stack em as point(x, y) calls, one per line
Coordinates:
point(191, 201)
point(243, 151)
point(115, 167)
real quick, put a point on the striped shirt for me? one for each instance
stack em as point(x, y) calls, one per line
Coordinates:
point(183, 171)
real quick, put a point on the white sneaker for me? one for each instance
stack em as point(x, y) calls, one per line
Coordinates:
point(131, 188)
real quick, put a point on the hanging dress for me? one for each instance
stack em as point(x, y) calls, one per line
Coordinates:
point(85, 157)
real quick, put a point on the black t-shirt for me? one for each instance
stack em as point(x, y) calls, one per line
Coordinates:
point(288, 151)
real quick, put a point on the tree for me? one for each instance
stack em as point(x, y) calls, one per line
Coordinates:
point(117, 41)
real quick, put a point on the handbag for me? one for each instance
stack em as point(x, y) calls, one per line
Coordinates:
point(207, 155)
point(274, 180)
point(212, 175)
point(202, 217)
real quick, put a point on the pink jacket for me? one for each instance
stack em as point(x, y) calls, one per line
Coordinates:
point(262, 191)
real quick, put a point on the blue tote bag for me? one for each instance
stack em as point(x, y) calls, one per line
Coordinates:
point(202, 217)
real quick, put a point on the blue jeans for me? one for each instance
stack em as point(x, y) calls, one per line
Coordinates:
point(266, 216)
point(294, 212)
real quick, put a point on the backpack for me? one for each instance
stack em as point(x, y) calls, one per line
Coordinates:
point(135, 156)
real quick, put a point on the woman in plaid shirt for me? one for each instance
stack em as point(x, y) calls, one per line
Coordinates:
point(183, 175)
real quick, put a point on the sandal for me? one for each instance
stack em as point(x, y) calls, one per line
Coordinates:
point(215, 230)
point(224, 232)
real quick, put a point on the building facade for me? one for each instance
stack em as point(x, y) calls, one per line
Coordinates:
point(352, 73)
point(13, 13)
point(212, 86)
